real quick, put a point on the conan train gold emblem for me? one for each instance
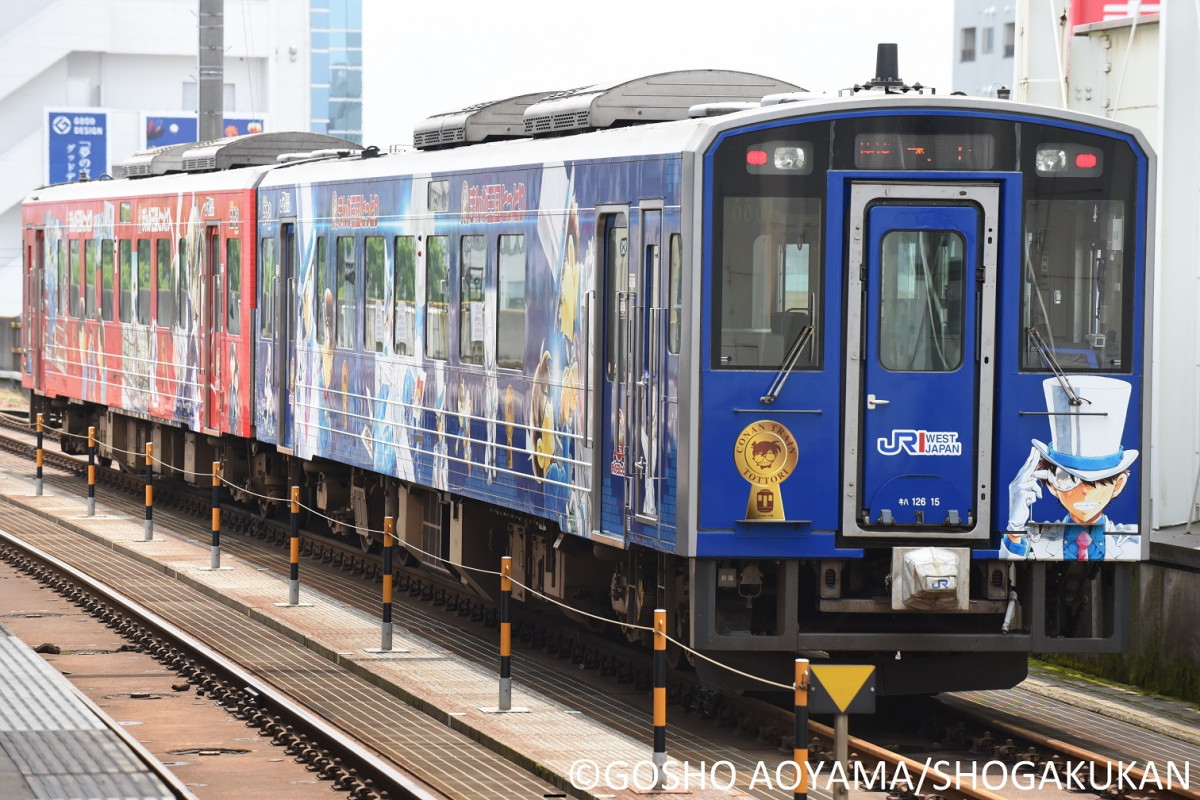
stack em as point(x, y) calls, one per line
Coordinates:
point(766, 455)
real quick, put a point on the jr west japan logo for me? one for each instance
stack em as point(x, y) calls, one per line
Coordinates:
point(921, 443)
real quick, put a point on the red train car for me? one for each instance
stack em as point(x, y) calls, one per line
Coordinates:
point(140, 294)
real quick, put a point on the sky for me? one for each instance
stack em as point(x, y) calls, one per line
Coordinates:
point(421, 59)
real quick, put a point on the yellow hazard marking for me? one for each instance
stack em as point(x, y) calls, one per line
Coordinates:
point(843, 682)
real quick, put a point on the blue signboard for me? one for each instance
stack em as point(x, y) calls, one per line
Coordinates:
point(163, 129)
point(78, 144)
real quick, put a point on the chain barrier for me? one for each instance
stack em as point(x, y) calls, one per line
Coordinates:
point(370, 532)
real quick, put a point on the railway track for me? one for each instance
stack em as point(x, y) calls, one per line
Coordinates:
point(445, 609)
point(348, 765)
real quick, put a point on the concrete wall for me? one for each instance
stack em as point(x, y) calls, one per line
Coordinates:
point(1164, 656)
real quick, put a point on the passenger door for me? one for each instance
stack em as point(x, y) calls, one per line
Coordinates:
point(285, 334)
point(35, 262)
point(920, 317)
point(648, 370)
point(214, 327)
point(611, 496)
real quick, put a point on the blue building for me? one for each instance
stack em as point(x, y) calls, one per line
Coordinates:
point(337, 59)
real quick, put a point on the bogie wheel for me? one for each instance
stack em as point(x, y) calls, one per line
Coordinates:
point(267, 507)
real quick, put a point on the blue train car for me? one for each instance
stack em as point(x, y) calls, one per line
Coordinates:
point(863, 378)
point(855, 376)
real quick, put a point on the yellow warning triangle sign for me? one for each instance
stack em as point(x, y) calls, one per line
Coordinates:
point(843, 682)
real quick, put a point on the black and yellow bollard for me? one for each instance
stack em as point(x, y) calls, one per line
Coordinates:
point(40, 457)
point(506, 634)
point(216, 516)
point(294, 574)
point(506, 586)
point(389, 526)
point(91, 504)
point(660, 696)
point(800, 751)
point(149, 492)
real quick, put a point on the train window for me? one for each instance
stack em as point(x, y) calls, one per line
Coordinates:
point(64, 296)
point(76, 282)
point(1072, 295)
point(183, 298)
point(266, 289)
point(437, 296)
point(91, 269)
point(921, 301)
point(143, 281)
point(472, 263)
point(323, 301)
point(106, 280)
point(510, 330)
point(675, 293)
point(165, 281)
point(233, 291)
point(374, 327)
point(347, 301)
point(769, 278)
point(125, 270)
point(616, 267)
point(405, 289)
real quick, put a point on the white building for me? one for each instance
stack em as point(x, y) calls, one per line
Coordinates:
point(1096, 57)
point(289, 65)
point(985, 44)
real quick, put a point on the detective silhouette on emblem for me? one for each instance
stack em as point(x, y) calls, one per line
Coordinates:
point(1084, 467)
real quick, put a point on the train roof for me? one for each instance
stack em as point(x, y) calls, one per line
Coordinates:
point(693, 135)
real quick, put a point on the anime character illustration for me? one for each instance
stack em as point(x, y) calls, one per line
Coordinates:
point(87, 353)
point(492, 402)
point(541, 419)
point(345, 396)
point(648, 438)
point(578, 262)
point(441, 455)
point(464, 424)
point(510, 417)
point(324, 374)
point(555, 414)
point(1084, 468)
point(186, 332)
point(233, 400)
point(412, 394)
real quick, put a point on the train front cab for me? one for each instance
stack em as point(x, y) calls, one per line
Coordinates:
point(923, 362)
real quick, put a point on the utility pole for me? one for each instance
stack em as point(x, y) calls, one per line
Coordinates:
point(211, 58)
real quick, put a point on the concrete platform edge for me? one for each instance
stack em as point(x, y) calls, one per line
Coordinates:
point(455, 723)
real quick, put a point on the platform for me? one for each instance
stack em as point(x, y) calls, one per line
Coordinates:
point(1175, 546)
point(54, 743)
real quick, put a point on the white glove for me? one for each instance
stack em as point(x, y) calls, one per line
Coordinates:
point(1024, 490)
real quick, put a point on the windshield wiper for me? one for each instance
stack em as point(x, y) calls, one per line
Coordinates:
point(789, 363)
point(1048, 357)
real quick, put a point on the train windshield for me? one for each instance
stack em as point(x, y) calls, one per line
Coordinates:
point(1077, 265)
point(770, 279)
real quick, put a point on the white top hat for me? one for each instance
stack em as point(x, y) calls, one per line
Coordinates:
point(1086, 439)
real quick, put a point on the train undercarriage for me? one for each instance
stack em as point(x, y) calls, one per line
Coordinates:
point(754, 615)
